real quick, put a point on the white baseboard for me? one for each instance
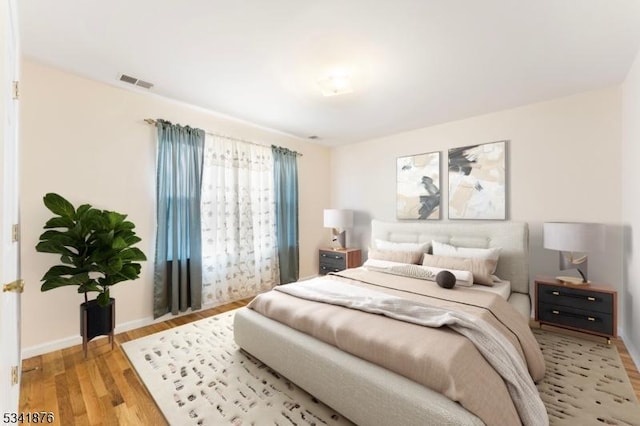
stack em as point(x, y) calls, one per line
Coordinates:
point(54, 345)
point(77, 340)
point(67, 342)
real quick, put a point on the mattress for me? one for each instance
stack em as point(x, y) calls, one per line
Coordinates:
point(502, 289)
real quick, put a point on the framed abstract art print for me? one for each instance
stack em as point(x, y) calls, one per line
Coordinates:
point(418, 186)
point(477, 181)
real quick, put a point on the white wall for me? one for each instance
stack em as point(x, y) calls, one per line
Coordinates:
point(88, 142)
point(563, 164)
point(631, 208)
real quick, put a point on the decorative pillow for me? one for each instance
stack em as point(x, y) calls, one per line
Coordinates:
point(391, 246)
point(446, 279)
point(480, 268)
point(414, 257)
point(442, 249)
point(462, 278)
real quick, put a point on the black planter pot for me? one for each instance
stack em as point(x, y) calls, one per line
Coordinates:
point(96, 320)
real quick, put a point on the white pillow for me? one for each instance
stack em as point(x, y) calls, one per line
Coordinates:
point(381, 264)
point(391, 246)
point(442, 249)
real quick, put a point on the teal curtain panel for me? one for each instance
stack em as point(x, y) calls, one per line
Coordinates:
point(178, 258)
point(285, 175)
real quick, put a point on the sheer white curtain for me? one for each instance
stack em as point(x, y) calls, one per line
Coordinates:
point(239, 249)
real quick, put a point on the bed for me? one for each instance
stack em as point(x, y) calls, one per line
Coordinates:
point(364, 391)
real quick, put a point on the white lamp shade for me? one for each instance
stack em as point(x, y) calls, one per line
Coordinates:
point(335, 218)
point(574, 237)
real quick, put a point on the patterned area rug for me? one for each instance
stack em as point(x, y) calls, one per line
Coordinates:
point(197, 376)
point(585, 382)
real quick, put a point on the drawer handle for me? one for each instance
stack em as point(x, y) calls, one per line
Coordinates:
point(555, 293)
point(555, 312)
point(323, 255)
point(591, 299)
point(591, 318)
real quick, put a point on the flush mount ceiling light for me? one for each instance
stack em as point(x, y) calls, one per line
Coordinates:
point(335, 84)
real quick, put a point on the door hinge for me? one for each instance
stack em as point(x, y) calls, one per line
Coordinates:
point(15, 233)
point(17, 286)
point(14, 375)
point(16, 89)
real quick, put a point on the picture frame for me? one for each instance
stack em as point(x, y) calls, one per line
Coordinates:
point(418, 183)
point(478, 181)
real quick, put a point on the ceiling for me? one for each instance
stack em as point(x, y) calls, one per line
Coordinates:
point(413, 63)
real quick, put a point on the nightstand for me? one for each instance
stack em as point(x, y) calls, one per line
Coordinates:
point(589, 308)
point(338, 260)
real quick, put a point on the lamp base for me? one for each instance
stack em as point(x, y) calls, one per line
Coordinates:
point(339, 237)
point(572, 280)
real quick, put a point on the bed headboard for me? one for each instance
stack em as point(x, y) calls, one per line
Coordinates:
point(511, 237)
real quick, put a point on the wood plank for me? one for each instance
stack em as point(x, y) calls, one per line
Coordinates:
point(71, 360)
point(109, 381)
point(65, 410)
point(95, 414)
point(144, 402)
point(50, 398)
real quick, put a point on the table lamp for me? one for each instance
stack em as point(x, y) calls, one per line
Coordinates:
point(573, 241)
point(338, 220)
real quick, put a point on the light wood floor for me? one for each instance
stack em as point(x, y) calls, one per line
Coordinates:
point(104, 388)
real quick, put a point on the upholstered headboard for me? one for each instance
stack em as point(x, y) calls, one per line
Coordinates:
point(511, 237)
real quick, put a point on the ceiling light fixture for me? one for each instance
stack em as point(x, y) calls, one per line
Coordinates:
point(335, 84)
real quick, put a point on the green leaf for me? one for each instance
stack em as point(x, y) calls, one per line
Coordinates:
point(59, 205)
point(53, 247)
point(115, 264)
point(114, 218)
point(90, 286)
point(61, 281)
point(82, 210)
point(59, 222)
point(119, 243)
point(103, 298)
point(132, 239)
point(133, 254)
point(130, 271)
point(59, 271)
point(126, 225)
point(62, 238)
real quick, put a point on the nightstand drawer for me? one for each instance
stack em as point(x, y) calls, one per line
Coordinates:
point(325, 269)
point(338, 260)
point(592, 301)
point(597, 322)
point(332, 258)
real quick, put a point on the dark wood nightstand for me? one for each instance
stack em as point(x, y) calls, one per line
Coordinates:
point(589, 308)
point(338, 260)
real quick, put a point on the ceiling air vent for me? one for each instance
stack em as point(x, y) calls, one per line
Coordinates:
point(135, 81)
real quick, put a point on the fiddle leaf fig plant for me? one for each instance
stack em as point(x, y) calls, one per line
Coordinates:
point(95, 247)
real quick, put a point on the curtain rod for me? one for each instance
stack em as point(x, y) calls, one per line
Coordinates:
point(153, 122)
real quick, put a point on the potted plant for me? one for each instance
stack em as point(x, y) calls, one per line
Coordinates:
point(95, 248)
